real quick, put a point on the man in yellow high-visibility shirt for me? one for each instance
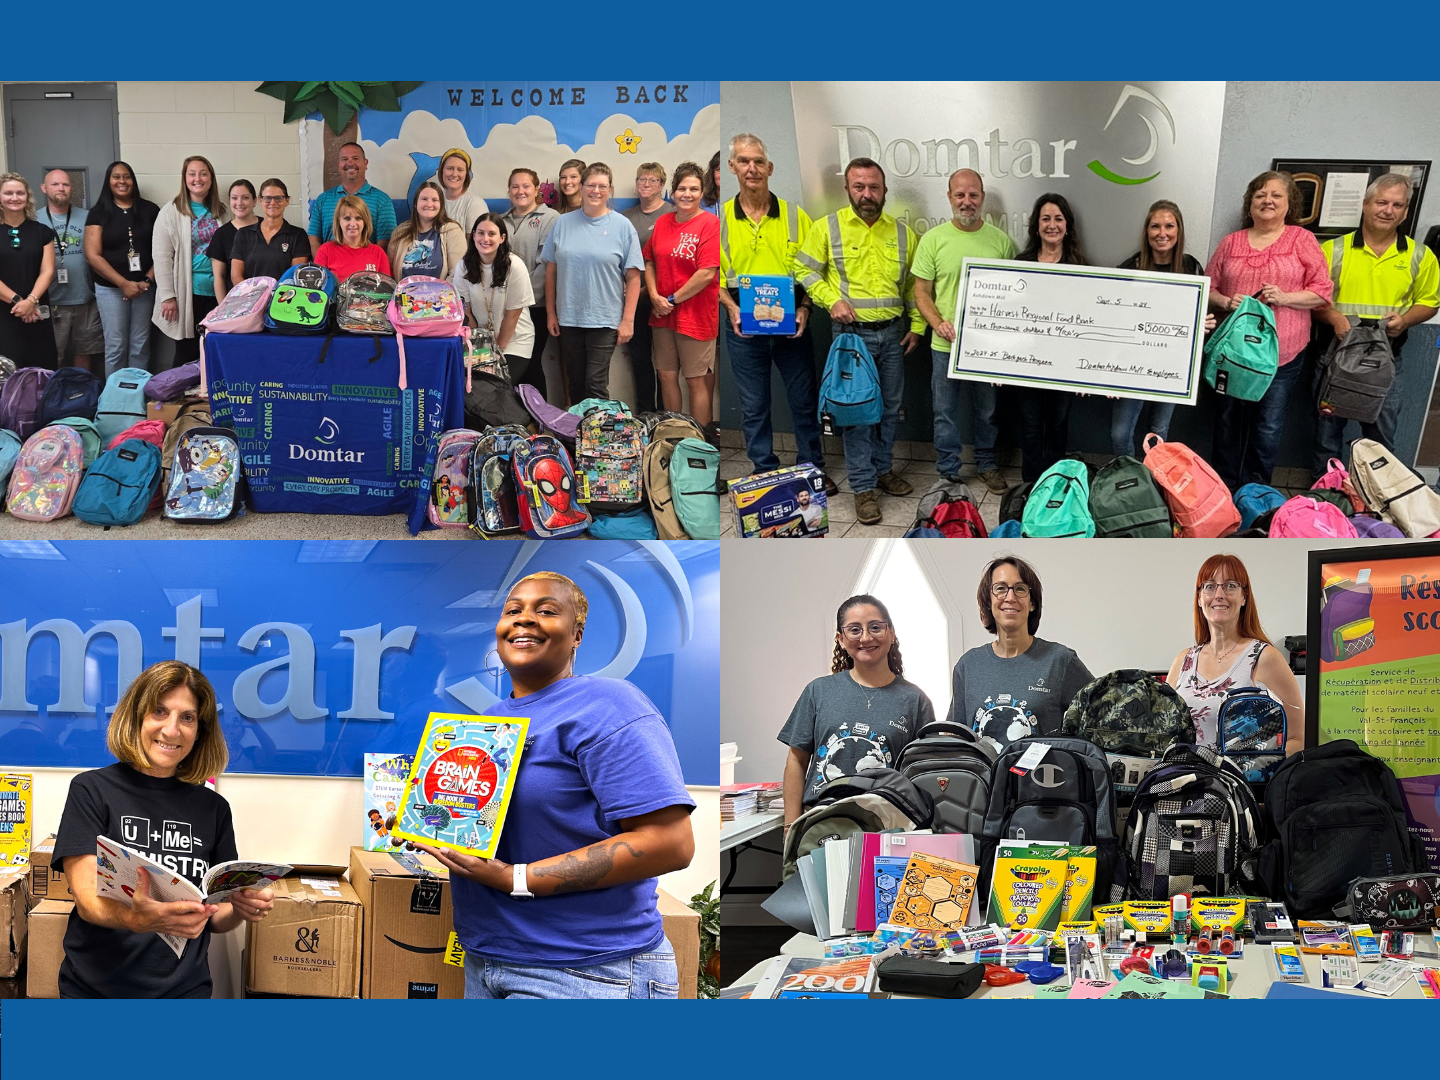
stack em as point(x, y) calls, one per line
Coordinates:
point(1378, 274)
point(856, 262)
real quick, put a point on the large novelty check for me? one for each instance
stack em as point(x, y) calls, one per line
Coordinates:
point(1124, 333)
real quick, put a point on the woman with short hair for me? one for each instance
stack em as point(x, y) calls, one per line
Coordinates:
point(272, 245)
point(119, 246)
point(184, 277)
point(351, 249)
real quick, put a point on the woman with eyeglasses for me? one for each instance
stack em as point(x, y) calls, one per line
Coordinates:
point(1018, 685)
point(272, 245)
point(184, 276)
point(858, 717)
point(119, 246)
point(27, 267)
point(1231, 650)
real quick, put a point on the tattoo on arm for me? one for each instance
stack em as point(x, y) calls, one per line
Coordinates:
point(575, 874)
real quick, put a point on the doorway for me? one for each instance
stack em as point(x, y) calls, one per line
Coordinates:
point(70, 126)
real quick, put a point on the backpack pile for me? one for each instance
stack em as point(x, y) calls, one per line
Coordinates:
point(1059, 502)
point(1198, 499)
point(948, 510)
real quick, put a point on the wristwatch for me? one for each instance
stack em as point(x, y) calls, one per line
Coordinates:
point(670, 299)
point(520, 891)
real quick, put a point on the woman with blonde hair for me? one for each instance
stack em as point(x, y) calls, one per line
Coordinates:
point(567, 907)
point(184, 274)
point(454, 177)
point(430, 243)
point(27, 268)
point(351, 249)
point(165, 731)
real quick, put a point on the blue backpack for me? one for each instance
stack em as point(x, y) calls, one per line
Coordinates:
point(850, 385)
point(71, 391)
point(1254, 501)
point(119, 486)
point(632, 525)
point(122, 403)
point(1059, 503)
point(1006, 530)
point(302, 302)
point(1250, 732)
point(9, 455)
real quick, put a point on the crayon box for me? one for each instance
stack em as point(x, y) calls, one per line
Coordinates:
point(1027, 890)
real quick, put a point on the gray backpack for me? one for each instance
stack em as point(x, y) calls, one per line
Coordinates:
point(878, 800)
point(1356, 373)
point(949, 763)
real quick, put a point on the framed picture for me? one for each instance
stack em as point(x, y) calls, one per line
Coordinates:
point(1332, 191)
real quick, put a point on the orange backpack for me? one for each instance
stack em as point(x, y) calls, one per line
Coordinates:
point(1198, 499)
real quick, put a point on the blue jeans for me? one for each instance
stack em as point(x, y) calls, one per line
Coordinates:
point(1125, 414)
point(1330, 430)
point(1247, 433)
point(1044, 430)
point(750, 360)
point(869, 449)
point(127, 327)
point(644, 975)
point(952, 395)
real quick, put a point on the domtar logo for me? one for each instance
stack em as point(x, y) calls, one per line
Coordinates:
point(1101, 170)
point(329, 431)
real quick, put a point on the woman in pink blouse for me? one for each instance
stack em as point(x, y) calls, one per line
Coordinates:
point(1282, 264)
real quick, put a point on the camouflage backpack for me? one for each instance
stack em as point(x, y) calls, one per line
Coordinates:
point(1133, 717)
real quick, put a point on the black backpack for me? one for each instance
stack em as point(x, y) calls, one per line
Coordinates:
point(1067, 797)
point(1126, 501)
point(948, 763)
point(491, 402)
point(1012, 503)
point(1333, 813)
point(877, 800)
point(71, 391)
point(1356, 372)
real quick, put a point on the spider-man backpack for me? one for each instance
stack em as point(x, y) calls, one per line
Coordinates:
point(545, 483)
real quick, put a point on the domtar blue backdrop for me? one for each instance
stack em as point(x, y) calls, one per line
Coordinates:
point(324, 650)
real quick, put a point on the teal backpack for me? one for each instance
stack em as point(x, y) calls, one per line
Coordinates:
point(849, 386)
point(119, 486)
point(9, 455)
point(1243, 354)
point(89, 436)
point(1126, 501)
point(1059, 503)
point(695, 488)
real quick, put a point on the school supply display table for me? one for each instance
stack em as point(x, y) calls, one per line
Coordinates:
point(338, 436)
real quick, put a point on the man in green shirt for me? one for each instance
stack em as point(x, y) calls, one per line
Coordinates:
point(937, 286)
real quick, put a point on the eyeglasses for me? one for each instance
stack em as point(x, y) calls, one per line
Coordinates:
point(274, 198)
point(1210, 588)
point(648, 181)
point(999, 589)
point(855, 631)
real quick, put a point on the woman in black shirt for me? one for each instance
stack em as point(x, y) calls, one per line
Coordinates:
point(27, 266)
point(272, 245)
point(118, 246)
point(242, 210)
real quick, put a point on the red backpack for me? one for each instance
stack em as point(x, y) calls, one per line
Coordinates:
point(950, 509)
point(1198, 499)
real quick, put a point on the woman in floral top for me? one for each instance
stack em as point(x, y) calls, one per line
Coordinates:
point(1231, 650)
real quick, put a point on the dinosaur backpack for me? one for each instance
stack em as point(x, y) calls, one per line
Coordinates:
point(363, 302)
point(1243, 354)
point(666, 431)
point(948, 763)
point(950, 510)
point(1059, 503)
point(849, 385)
point(1256, 501)
point(546, 491)
point(609, 459)
point(121, 403)
point(120, 485)
point(1356, 373)
point(1250, 733)
point(192, 414)
point(424, 306)
point(1199, 500)
point(205, 481)
point(1193, 827)
point(75, 392)
point(1308, 518)
point(449, 506)
point(302, 301)
point(877, 800)
point(1125, 501)
point(1389, 488)
point(1133, 717)
point(492, 495)
point(20, 401)
point(46, 474)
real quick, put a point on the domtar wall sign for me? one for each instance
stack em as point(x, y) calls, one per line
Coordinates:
point(1110, 148)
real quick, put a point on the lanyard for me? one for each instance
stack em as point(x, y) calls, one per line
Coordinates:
point(60, 241)
point(487, 293)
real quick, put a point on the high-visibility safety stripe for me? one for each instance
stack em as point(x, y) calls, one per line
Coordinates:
point(878, 302)
point(731, 282)
point(902, 245)
point(792, 224)
point(837, 255)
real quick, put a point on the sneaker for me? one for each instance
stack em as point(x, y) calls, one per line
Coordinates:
point(993, 481)
point(831, 488)
point(893, 485)
point(867, 507)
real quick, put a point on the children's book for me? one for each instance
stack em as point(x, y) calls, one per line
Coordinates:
point(117, 875)
point(804, 976)
point(385, 776)
point(461, 782)
point(15, 802)
point(936, 893)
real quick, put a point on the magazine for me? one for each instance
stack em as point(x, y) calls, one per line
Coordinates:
point(853, 975)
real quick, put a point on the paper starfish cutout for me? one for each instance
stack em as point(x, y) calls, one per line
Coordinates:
point(629, 143)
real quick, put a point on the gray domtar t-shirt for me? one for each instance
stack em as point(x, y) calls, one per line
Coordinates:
point(1008, 698)
point(850, 728)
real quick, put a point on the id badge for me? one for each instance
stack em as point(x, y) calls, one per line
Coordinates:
point(134, 262)
point(62, 276)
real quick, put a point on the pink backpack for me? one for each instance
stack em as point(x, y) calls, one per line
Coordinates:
point(151, 431)
point(1311, 519)
point(46, 477)
point(1337, 478)
point(424, 307)
point(1198, 499)
point(241, 312)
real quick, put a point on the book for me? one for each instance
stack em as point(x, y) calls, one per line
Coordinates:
point(384, 783)
point(767, 304)
point(15, 820)
point(804, 976)
point(117, 875)
point(461, 781)
point(936, 893)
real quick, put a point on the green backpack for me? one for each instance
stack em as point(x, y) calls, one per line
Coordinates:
point(1126, 501)
point(695, 488)
point(1059, 503)
point(1243, 353)
point(89, 436)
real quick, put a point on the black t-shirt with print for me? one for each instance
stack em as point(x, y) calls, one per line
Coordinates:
point(183, 826)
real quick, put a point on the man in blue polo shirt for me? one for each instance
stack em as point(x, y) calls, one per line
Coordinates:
point(352, 164)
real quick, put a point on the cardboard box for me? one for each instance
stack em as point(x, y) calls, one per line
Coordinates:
point(47, 881)
point(309, 945)
point(682, 927)
point(787, 502)
point(48, 921)
point(14, 906)
point(408, 924)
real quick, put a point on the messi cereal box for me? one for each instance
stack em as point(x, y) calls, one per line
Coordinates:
point(785, 502)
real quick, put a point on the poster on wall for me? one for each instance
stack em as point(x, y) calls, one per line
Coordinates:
point(534, 125)
point(1332, 192)
point(1373, 672)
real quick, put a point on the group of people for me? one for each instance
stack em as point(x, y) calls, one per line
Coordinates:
point(864, 712)
point(874, 277)
point(567, 908)
point(84, 282)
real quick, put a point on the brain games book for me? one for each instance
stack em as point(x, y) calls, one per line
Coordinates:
point(460, 785)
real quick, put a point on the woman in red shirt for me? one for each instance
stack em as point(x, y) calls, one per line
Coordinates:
point(682, 264)
point(350, 248)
